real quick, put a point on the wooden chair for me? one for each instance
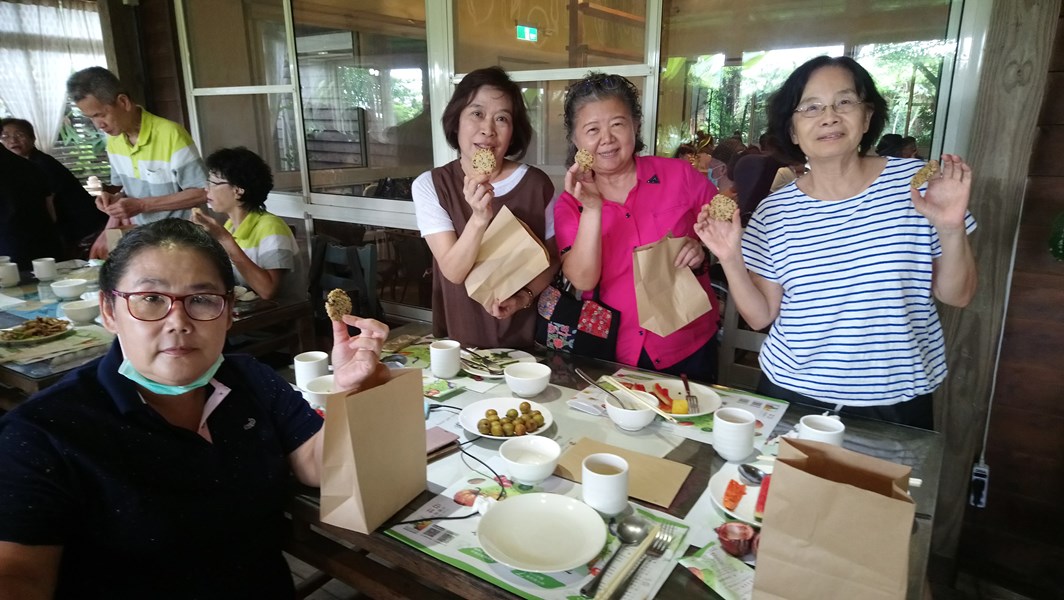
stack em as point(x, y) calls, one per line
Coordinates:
point(739, 345)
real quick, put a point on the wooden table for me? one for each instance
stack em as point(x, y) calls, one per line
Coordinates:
point(344, 554)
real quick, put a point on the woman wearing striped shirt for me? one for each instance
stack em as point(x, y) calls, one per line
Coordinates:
point(845, 262)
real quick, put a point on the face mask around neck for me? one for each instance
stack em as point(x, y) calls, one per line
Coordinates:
point(127, 370)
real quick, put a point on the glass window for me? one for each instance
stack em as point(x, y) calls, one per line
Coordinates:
point(261, 122)
point(549, 34)
point(717, 78)
point(364, 88)
point(249, 35)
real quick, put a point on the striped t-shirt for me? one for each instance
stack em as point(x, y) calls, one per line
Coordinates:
point(164, 161)
point(857, 323)
point(269, 243)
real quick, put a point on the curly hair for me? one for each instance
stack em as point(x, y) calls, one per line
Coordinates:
point(466, 90)
point(246, 170)
point(595, 87)
point(783, 102)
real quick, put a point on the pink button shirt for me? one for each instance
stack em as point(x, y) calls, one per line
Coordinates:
point(666, 199)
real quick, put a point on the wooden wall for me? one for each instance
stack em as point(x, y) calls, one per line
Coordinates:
point(1018, 539)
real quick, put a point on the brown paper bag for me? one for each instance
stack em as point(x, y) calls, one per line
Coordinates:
point(836, 526)
point(667, 298)
point(510, 256)
point(374, 456)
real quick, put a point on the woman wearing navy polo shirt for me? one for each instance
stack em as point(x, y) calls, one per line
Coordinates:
point(161, 469)
point(625, 201)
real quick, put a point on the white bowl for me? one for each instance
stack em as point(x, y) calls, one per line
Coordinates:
point(631, 420)
point(69, 288)
point(81, 311)
point(527, 379)
point(530, 458)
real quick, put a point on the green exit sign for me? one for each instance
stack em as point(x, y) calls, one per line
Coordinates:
point(527, 34)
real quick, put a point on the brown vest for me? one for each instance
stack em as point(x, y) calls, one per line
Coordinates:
point(454, 314)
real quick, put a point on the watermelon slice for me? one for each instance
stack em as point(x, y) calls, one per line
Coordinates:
point(733, 494)
point(664, 400)
point(759, 508)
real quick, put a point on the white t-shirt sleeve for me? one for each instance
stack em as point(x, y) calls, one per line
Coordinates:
point(430, 215)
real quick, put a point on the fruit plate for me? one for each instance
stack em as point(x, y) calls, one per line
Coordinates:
point(718, 483)
point(566, 535)
point(473, 413)
point(708, 400)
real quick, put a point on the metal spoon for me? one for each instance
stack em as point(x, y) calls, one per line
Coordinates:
point(616, 398)
point(752, 475)
point(631, 530)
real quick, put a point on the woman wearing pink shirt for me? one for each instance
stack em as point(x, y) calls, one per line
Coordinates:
point(625, 201)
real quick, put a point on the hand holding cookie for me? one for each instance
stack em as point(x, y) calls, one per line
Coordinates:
point(945, 202)
point(723, 238)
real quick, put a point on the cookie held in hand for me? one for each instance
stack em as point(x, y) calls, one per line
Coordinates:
point(337, 304)
point(585, 159)
point(925, 174)
point(721, 208)
point(483, 161)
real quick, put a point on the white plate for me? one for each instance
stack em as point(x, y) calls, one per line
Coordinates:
point(497, 355)
point(708, 400)
point(719, 483)
point(566, 535)
point(47, 338)
point(473, 413)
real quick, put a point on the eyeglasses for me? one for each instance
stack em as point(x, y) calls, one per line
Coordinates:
point(840, 106)
point(155, 306)
point(213, 183)
point(18, 135)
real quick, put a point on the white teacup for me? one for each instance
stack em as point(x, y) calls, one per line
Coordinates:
point(318, 391)
point(604, 483)
point(310, 365)
point(445, 358)
point(9, 275)
point(821, 428)
point(733, 433)
point(44, 269)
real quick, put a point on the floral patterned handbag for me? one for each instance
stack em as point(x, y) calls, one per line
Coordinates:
point(567, 323)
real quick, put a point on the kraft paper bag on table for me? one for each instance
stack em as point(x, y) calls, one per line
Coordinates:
point(374, 461)
point(667, 298)
point(509, 257)
point(836, 526)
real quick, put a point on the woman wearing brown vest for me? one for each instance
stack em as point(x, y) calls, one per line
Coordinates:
point(455, 203)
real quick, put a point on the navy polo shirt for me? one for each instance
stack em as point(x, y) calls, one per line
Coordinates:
point(144, 509)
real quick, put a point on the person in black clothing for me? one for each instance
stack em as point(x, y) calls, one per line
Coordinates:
point(26, 229)
point(74, 209)
point(752, 175)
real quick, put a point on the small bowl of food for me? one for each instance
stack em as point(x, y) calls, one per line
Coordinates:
point(527, 379)
point(68, 289)
point(81, 311)
point(634, 418)
point(530, 459)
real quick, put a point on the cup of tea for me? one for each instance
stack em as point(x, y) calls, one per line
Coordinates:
point(44, 269)
point(604, 483)
point(821, 428)
point(733, 433)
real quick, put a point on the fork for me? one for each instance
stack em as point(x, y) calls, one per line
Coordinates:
point(692, 400)
point(657, 549)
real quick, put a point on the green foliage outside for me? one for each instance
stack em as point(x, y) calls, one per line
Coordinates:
point(729, 99)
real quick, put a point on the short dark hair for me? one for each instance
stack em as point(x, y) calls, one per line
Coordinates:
point(171, 232)
point(97, 82)
point(244, 169)
point(890, 145)
point(22, 124)
point(782, 103)
point(493, 77)
point(595, 87)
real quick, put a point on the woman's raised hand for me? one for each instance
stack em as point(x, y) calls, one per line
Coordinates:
point(723, 238)
point(356, 359)
point(580, 184)
point(945, 202)
point(208, 223)
point(478, 194)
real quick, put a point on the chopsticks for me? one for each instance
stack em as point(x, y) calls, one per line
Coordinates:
point(629, 563)
point(637, 398)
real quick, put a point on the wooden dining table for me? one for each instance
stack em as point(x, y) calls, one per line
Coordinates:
point(384, 567)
